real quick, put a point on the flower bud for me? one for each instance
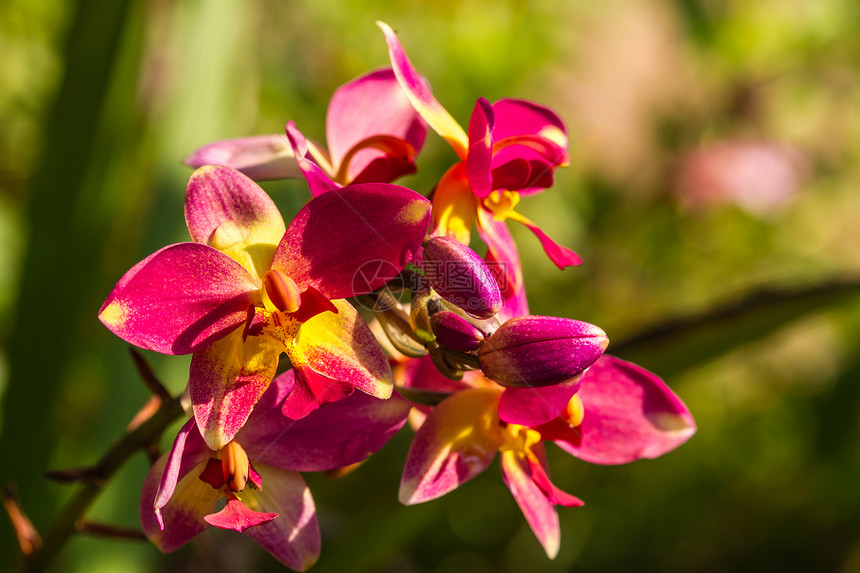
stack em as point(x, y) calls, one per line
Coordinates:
point(534, 351)
point(455, 332)
point(461, 277)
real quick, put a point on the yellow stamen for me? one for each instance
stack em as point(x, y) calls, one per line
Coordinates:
point(574, 411)
point(235, 466)
point(280, 292)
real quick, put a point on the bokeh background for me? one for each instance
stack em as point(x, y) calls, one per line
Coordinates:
point(713, 193)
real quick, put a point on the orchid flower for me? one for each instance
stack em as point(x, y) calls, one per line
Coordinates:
point(257, 473)
point(614, 413)
point(510, 150)
point(249, 289)
point(373, 135)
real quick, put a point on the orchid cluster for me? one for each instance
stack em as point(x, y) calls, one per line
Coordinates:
point(384, 314)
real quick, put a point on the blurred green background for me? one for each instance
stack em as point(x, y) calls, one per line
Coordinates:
point(713, 193)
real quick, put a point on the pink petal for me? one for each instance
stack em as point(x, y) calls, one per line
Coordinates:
point(370, 105)
point(457, 441)
point(418, 92)
point(335, 435)
point(353, 240)
point(480, 149)
point(188, 451)
point(293, 538)
point(561, 256)
point(629, 414)
point(182, 518)
point(227, 210)
point(311, 391)
point(226, 381)
point(179, 299)
point(260, 157)
point(235, 515)
point(532, 407)
point(318, 180)
point(515, 117)
point(539, 511)
point(504, 262)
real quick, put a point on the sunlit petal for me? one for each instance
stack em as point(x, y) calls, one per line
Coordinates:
point(418, 92)
point(457, 441)
point(318, 180)
point(179, 299)
point(228, 211)
point(454, 206)
point(293, 537)
point(353, 240)
point(371, 105)
point(629, 413)
point(226, 381)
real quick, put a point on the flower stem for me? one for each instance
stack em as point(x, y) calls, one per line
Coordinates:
point(133, 440)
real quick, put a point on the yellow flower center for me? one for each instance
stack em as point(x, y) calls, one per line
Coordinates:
point(519, 439)
point(501, 203)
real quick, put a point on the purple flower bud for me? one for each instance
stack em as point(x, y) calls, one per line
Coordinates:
point(461, 277)
point(455, 332)
point(534, 351)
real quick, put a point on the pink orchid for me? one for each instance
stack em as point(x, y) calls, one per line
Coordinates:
point(510, 150)
point(257, 473)
point(614, 413)
point(249, 289)
point(373, 135)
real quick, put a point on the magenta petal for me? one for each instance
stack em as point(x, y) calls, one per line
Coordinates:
point(311, 391)
point(480, 149)
point(335, 435)
point(353, 240)
point(236, 516)
point(629, 414)
point(318, 180)
point(260, 157)
point(561, 256)
point(179, 299)
point(370, 105)
point(532, 407)
point(293, 538)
